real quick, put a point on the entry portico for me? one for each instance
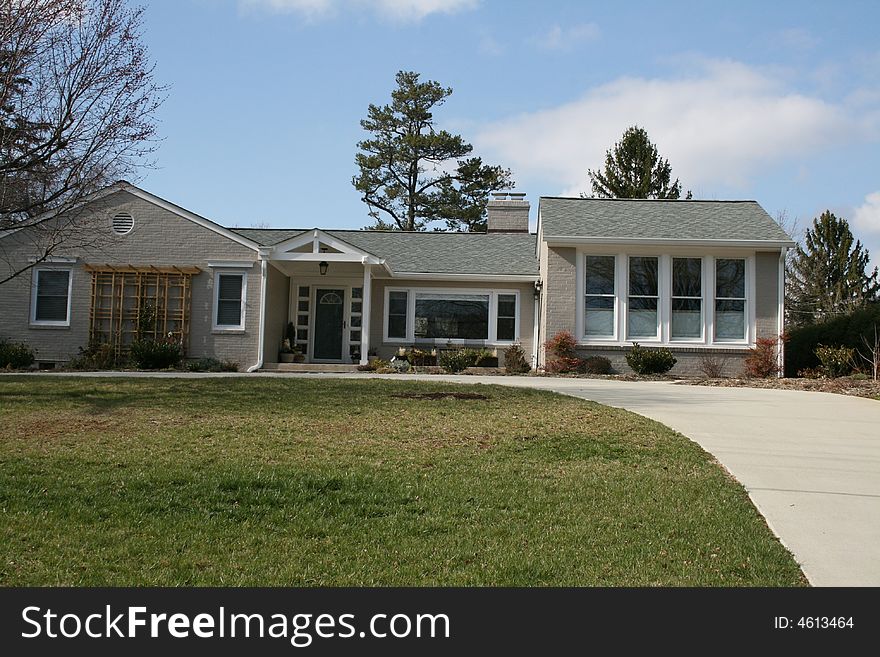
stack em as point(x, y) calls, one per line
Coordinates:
point(330, 293)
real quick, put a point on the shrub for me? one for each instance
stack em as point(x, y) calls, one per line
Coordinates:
point(811, 373)
point(211, 365)
point(155, 354)
point(373, 365)
point(15, 355)
point(712, 367)
point(762, 362)
point(845, 330)
point(98, 355)
point(515, 360)
point(595, 365)
point(836, 361)
point(564, 365)
point(420, 357)
point(457, 360)
point(649, 361)
point(562, 345)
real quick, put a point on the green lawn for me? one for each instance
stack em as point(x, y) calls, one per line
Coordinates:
point(251, 481)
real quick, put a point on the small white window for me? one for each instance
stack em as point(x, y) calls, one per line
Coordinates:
point(50, 302)
point(230, 292)
point(643, 320)
point(599, 299)
point(687, 298)
point(730, 299)
point(122, 223)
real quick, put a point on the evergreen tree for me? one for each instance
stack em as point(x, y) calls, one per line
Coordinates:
point(828, 275)
point(412, 174)
point(634, 169)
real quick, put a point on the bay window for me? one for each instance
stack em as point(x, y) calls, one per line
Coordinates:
point(687, 298)
point(457, 315)
point(730, 299)
point(643, 297)
point(599, 299)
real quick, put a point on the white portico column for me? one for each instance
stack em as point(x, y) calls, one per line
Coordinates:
point(365, 314)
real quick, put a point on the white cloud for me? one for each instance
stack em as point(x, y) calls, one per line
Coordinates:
point(866, 225)
point(395, 10)
point(566, 38)
point(721, 126)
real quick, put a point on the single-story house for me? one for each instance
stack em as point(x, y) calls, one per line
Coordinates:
point(698, 277)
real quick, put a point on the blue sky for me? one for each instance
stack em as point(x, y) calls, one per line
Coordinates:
point(779, 102)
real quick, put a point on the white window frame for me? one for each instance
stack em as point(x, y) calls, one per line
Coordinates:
point(702, 298)
point(229, 328)
point(747, 306)
point(582, 299)
point(658, 297)
point(411, 312)
point(35, 281)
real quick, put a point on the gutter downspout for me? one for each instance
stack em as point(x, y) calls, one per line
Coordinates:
point(780, 322)
point(264, 268)
point(535, 337)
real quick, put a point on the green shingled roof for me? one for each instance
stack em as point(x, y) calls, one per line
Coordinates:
point(430, 252)
point(657, 219)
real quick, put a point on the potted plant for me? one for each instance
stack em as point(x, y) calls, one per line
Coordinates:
point(286, 354)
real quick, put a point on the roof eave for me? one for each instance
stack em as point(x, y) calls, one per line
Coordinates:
point(573, 240)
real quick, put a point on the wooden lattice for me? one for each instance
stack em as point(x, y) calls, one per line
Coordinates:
point(145, 302)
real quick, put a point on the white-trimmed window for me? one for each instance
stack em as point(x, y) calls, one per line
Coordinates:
point(50, 297)
point(599, 296)
point(230, 296)
point(730, 299)
point(642, 302)
point(687, 299)
point(460, 316)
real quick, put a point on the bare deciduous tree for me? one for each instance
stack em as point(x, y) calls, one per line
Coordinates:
point(872, 353)
point(77, 107)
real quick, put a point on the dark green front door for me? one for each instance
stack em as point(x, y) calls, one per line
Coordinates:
point(329, 317)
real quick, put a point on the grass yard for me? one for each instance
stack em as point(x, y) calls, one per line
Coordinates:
point(314, 482)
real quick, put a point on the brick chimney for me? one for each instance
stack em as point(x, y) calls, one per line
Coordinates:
point(508, 212)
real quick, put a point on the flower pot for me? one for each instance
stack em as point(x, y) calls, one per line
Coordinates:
point(286, 357)
point(299, 358)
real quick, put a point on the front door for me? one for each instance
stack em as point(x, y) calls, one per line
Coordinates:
point(329, 318)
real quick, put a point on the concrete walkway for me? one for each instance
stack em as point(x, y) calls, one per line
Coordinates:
point(809, 460)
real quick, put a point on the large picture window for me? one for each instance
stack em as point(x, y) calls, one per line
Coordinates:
point(687, 298)
point(643, 296)
point(599, 296)
point(51, 299)
point(452, 316)
point(459, 315)
point(730, 299)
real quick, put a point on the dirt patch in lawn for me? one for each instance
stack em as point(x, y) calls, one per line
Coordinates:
point(441, 395)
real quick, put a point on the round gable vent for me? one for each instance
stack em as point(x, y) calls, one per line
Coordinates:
point(122, 223)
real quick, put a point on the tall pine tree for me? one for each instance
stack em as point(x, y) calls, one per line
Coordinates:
point(413, 174)
point(829, 273)
point(634, 169)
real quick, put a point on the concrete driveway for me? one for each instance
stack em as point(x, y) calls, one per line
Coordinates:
point(809, 460)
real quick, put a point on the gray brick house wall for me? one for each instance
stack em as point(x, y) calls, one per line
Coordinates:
point(159, 238)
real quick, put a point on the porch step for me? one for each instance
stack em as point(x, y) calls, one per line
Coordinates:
point(307, 367)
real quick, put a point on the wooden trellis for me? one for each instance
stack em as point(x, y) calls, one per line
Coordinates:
point(145, 302)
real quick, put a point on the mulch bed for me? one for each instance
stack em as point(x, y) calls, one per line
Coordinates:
point(842, 386)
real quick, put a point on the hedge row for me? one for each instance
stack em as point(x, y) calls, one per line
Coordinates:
point(846, 331)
